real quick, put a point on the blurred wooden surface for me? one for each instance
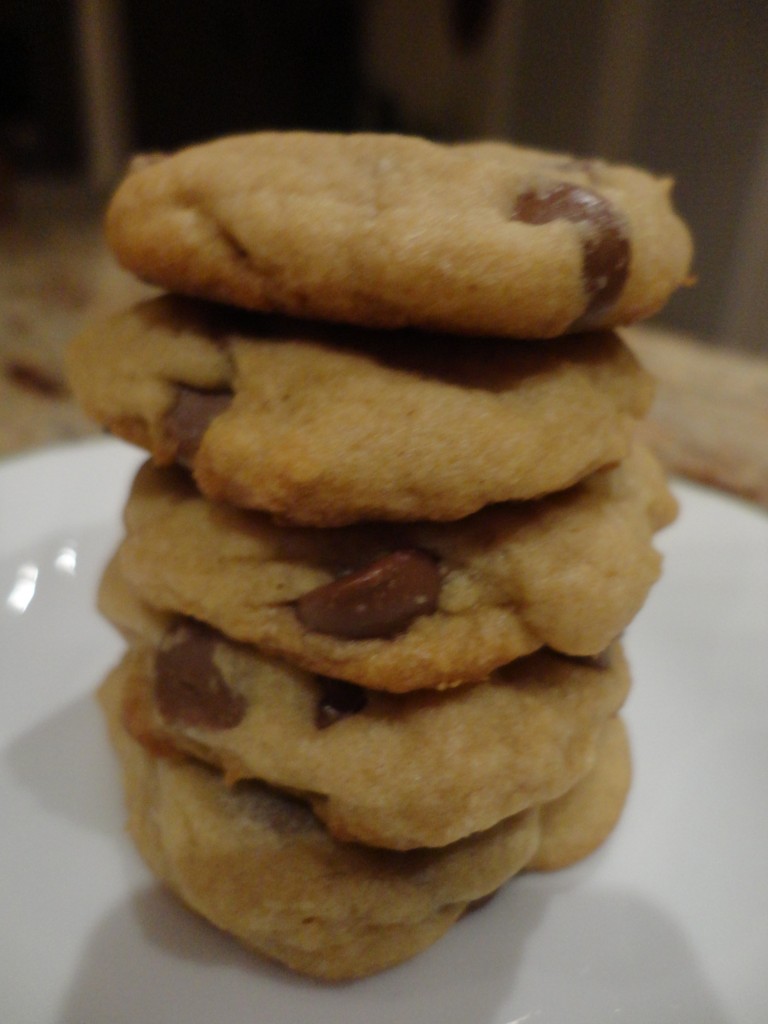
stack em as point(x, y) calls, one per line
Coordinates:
point(709, 422)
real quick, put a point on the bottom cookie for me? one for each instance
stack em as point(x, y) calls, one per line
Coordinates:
point(258, 864)
point(575, 824)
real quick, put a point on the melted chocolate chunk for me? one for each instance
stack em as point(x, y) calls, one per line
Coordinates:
point(189, 417)
point(189, 688)
point(379, 600)
point(338, 699)
point(606, 248)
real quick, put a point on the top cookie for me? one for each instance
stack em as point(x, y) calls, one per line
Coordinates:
point(392, 231)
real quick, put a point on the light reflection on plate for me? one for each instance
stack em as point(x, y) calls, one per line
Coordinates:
point(669, 922)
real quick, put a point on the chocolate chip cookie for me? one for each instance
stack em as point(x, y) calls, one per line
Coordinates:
point(325, 426)
point(259, 865)
point(574, 825)
point(404, 606)
point(395, 521)
point(391, 231)
point(393, 770)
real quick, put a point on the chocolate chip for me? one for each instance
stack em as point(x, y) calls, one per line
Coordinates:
point(379, 600)
point(189, 688)
point(606, 249)
point(189, 417)
point(338, 700)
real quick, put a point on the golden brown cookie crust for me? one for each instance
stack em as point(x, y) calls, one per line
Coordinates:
point(399, 771)
point(569, 572)
point(578, 822)
point(328, 427)
point(391, 231)
point(258, 864)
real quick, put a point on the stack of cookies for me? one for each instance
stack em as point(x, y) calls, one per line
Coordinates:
point(394, 523)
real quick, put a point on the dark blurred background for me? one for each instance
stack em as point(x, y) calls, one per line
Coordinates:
point(679, 87)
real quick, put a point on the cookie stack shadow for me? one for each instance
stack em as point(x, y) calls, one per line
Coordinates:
point(374, 576)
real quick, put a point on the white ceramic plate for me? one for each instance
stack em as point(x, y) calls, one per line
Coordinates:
point(667, 923)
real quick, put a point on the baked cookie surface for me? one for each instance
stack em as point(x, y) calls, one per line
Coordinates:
point(404, 606)
point(325, 426)
point(579, 821)
point(392, 231)
point(258, 864)
point(398, 771)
